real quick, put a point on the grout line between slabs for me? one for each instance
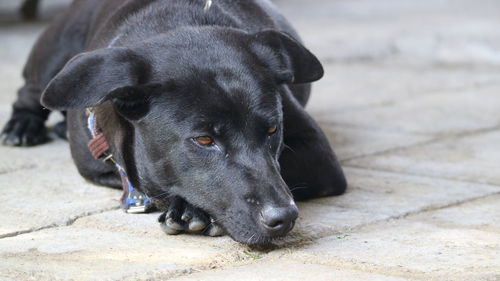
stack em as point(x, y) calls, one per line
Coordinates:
point(419, 175)
point(436, 207)
point(393, 149)
point(426, 209)
point(67, 222)
point(424, 143)
point(392, 218)
point(17, 169)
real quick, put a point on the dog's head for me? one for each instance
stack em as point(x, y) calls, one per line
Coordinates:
point(203, 118)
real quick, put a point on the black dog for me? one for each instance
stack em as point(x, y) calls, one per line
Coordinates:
point(201, 104)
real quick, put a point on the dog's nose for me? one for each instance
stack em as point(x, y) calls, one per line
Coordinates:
point(278, 220)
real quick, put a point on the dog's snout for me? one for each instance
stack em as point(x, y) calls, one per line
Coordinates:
point(278, 220)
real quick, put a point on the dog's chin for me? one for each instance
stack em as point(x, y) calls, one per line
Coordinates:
point(250, 234)
point(255, 239)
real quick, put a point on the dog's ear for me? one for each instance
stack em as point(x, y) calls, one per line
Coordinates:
point(292, 62)
point(91, 78)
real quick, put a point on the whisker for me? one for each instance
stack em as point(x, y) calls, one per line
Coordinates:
point(250, 239)
point(298, 187)
point(161, 195)
point(288, 147)
point(166, 193)
point(217, 220)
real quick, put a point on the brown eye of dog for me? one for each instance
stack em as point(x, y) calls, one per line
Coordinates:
point(204, 140)
point(272, 130)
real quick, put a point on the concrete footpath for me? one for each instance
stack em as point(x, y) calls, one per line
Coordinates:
point(411, 104)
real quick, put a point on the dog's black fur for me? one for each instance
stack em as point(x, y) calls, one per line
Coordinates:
point(160, 73)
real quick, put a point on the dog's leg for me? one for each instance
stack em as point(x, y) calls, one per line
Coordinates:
point(180, 216)
point(308, 164)
point(61, 41)
point(26, 126)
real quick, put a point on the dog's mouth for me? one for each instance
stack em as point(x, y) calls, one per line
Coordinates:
point(269, 224)
point(252, 237)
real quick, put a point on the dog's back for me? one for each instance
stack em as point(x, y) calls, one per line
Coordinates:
point(92, 24)
point(111, 22)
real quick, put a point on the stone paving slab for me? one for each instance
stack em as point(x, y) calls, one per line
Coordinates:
point(89, 254)
point(354, 86)
point(440, 114)
point(348, 142)
point(375, 196)
point(474, 158)
point(286, 270)
point(44, 156)
point(372, 197)
point(112, 246)
point(41, 187)
point(415, 32)
point(456, 243)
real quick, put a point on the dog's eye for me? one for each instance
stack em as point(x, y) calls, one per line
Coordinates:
point(204, 140)
point(272, 130)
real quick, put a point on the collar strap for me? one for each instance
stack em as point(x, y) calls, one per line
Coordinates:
point(132, 200)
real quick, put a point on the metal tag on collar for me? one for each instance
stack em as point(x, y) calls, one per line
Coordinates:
point(136, 202)
point(133, 201)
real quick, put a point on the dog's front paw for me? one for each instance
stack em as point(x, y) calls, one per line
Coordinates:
point(24, 129)
point(182, 217)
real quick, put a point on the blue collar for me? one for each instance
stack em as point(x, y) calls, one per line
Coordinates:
point(132, 200)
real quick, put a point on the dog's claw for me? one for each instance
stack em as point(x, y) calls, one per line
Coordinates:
point(187, 216)
point(169, 230)
point(182, 217)
point(174, 225)
point(11, 140)
point(162, 219)
point(197, 225)
point(215, 230)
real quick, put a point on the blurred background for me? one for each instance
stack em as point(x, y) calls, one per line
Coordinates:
point(375, 53)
